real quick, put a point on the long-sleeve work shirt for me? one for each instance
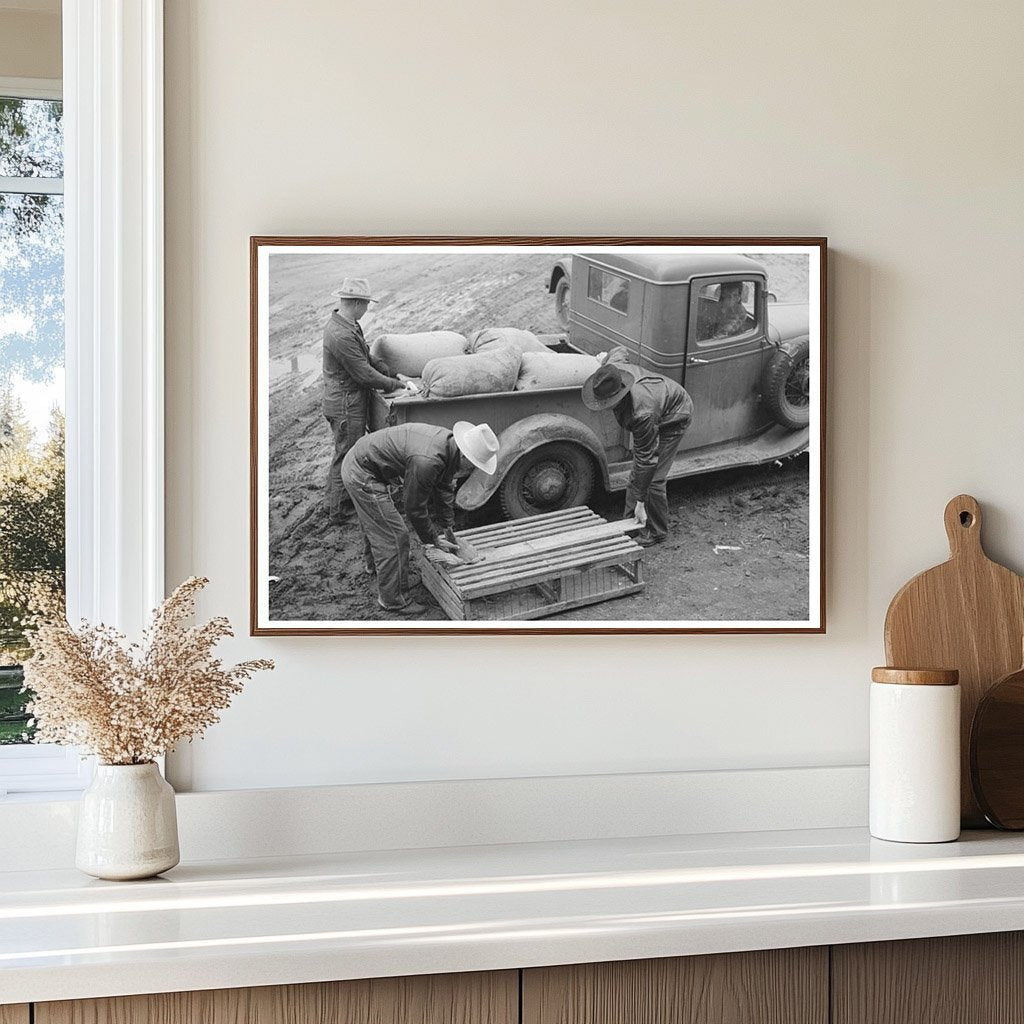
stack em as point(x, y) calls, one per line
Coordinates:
point(426, 460)
point(655, 405)
point(348, 366)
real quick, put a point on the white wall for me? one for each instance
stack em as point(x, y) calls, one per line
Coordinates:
point(895, 129)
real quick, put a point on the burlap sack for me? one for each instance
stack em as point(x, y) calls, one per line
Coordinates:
point(409, 353)
point(524, 341)
point(486, 373)
point(554, 370)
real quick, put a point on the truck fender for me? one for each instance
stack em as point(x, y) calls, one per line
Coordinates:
point(522, 437)
point(558, 271)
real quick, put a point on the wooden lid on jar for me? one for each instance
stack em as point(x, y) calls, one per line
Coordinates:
point(916, 676)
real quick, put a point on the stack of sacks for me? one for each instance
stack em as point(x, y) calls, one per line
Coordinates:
point(497, 369)
point(409, 353)
point(522, 341)
point(554, 370)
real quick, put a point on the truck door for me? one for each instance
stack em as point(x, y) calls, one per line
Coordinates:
point(725, 349)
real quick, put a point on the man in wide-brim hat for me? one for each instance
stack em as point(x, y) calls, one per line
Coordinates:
point(351, 375)
point(656, 411)
point(427, 462)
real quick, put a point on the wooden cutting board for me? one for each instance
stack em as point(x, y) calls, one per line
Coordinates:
point(967, 614)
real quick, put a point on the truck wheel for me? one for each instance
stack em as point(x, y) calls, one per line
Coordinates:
point(552, 477)
point(786, 385)
point(562, 301)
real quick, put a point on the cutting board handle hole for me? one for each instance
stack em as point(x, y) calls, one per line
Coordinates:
point(966, 519)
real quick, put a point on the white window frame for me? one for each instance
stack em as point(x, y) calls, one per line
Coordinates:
point(114, 347)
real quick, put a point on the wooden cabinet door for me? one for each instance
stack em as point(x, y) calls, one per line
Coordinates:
point(778, 986)
point(14, 1014)
point(960, 979)
point(483, 998)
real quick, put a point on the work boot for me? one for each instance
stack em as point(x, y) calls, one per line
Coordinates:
point(646, 539)
point(409, 610)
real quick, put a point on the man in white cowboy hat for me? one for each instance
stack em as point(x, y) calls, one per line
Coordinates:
point(427, 462)
point(656, 411)
point(351, 374)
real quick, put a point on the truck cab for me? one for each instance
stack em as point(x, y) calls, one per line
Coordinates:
point(704, 321)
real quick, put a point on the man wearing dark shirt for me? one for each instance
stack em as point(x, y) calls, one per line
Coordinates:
point(351, 374)
point(427, 462)
point(656, 411)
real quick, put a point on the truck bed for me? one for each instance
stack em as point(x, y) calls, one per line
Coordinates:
point(504, 408)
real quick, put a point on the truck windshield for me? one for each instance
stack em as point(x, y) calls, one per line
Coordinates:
point(608, 289)
point(726, 309)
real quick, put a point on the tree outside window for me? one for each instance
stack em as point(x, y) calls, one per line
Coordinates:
point(31, 386)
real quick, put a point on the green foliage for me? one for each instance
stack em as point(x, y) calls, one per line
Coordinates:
point(14, 727)
point(31, 242)
point(31, 347)
point(31, 138)
point(31, 544)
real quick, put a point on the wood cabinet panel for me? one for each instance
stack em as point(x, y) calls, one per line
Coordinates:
point(778, 986)
point(961, 979)
point(14, 1014)
point(482, 998)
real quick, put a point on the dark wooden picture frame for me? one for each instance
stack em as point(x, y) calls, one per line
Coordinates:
point(261, 247)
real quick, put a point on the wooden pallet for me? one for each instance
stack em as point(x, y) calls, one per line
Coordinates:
point(538, 566)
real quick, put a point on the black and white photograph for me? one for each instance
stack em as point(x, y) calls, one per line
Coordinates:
point(577, 435)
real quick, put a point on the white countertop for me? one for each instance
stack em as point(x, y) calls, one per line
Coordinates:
point(227, 924)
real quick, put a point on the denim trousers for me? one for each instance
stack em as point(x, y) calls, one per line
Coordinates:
point(347, 426)
point(657, 494)
point(385, 535)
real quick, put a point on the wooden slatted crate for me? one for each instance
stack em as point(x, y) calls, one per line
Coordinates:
point(538, 566)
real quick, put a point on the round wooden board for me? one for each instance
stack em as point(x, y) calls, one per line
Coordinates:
point(997, 752)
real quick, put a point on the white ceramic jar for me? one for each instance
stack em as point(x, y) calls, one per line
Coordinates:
point(915, 755)
point(127, 823)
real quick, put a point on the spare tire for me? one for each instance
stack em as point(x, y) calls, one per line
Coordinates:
point(786, 384)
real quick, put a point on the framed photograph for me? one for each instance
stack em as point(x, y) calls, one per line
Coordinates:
point(537, 435)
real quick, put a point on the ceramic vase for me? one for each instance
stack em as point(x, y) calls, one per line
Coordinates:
point(127, 825)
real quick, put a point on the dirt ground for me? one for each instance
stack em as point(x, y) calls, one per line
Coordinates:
point(740, 538)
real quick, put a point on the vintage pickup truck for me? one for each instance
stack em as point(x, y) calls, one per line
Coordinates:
point(707, 321)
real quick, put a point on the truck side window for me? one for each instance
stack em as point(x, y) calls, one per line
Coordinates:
point(608, 289)
point(726, 310)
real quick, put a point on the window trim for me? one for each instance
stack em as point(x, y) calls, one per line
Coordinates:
point(113, 166)
point(32, 88)
point(112, 90)
point(42, 768)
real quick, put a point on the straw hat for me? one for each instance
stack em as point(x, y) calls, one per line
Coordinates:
point(356, 288)
point(478, 444)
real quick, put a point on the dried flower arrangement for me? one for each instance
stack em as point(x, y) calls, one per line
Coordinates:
point(130, 703)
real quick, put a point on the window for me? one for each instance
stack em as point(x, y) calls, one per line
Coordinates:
point(112, 128)
point(726, 309)
point(608, 289)
point(32, 547)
